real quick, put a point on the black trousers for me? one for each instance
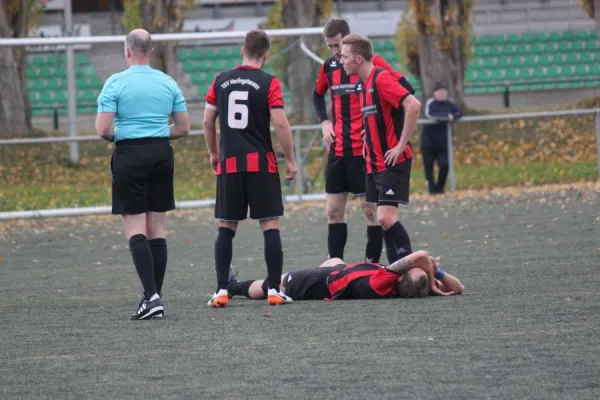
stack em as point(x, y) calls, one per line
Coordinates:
point(432, 154)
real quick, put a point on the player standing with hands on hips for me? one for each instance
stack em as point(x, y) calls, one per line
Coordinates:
point(388, 132)
point(244, 100)
point(140, 100)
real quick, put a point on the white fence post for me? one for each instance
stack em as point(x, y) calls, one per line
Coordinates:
point(299, 163)
point(72, 108)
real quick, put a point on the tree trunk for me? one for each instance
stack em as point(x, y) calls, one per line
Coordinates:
point(597, 20)
point(159, 16)
point(13, 93)
point(301, 13)
point(442, 62)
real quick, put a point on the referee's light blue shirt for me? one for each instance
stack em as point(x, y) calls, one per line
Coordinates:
point(142, 99)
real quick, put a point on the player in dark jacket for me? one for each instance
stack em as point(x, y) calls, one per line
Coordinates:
point(416, 275)
point(434, 138)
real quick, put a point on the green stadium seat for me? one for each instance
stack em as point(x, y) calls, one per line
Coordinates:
point(588, 57)
point(573, 58)
point(82, 58)
point(46, 97)
point(581, 70)
point(485, 40)
point(568, 36)
point(497, 50)
point(577, 85)
point(531, 60)
point(549, 47)
point(57, 84)
point(522, 49)
point(60, 97)
point(591, 45)
point(564, 47)
point(583, 34)
point(512, 74)
point(528, 37)
point(498, 74)
point(504, 62)
point(540, 37)
point(546, 59)
point(554, 71)
point(578, 46)
point(513, 38)
point(594, 69)
point(555, 36)
point(389, 45)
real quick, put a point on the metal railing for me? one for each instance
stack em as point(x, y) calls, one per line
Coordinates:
point(301, 156)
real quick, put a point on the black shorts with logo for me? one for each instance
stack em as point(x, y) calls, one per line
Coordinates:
point(142, 176)
point(390, 187)
point(345, 174)
point(308, 284)
point(259, 190)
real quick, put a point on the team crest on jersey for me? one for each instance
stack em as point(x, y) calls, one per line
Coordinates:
point(359, 87)
point(333, 64)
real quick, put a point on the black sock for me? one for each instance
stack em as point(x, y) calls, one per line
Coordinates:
point(159, 254)
point(336, 240)
point(397, 242)
point(239, 288)
point(273, 257)
point(223, 254)
point(374, 243)
point(144, 263)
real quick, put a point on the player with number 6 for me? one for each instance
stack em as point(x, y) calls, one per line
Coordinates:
point(245, 100)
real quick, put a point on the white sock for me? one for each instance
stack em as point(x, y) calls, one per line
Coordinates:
point(155, 297)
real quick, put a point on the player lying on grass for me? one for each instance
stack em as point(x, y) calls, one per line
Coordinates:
point(416, 275)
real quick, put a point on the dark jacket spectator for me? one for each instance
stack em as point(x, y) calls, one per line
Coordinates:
point(434, 138)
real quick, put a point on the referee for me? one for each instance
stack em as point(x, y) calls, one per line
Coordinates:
point(140, 100)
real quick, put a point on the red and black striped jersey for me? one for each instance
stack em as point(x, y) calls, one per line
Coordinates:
point(345, 104)
point(243, 98)
point(362, 281)
point(381, 107)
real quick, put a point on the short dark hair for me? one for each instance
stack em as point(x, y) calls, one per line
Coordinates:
point(256, 44)
point(139, 43)
point(409, 288)
point(336, 26)
point(359, 46)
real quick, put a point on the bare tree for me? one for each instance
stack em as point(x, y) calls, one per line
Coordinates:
point(15, 107)
point(442, 31)
point(158, 16)
point(592, 7)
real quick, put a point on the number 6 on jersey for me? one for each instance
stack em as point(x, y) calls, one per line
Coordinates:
point(237, 116)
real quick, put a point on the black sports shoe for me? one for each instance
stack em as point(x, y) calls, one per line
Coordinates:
point(149, 309)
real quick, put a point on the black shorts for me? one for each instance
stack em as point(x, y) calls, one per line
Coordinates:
point(345, 174)
point(259, 190)
point(308, 284)
point(142, 176)
point(390, 187)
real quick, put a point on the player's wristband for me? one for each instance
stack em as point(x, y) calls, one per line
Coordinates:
point(439, 275)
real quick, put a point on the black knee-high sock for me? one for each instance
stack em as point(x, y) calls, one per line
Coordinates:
point(239, 288)
point(374, 243)
point(273, 257)
point(223, 254)
point(159, 254)
point(144, 263)
point(397, 242)
point(336, 240)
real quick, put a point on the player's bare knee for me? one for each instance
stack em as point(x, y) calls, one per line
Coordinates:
point(370, 212)
point(335, 214)
point(268, 224)
point(228, 224)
